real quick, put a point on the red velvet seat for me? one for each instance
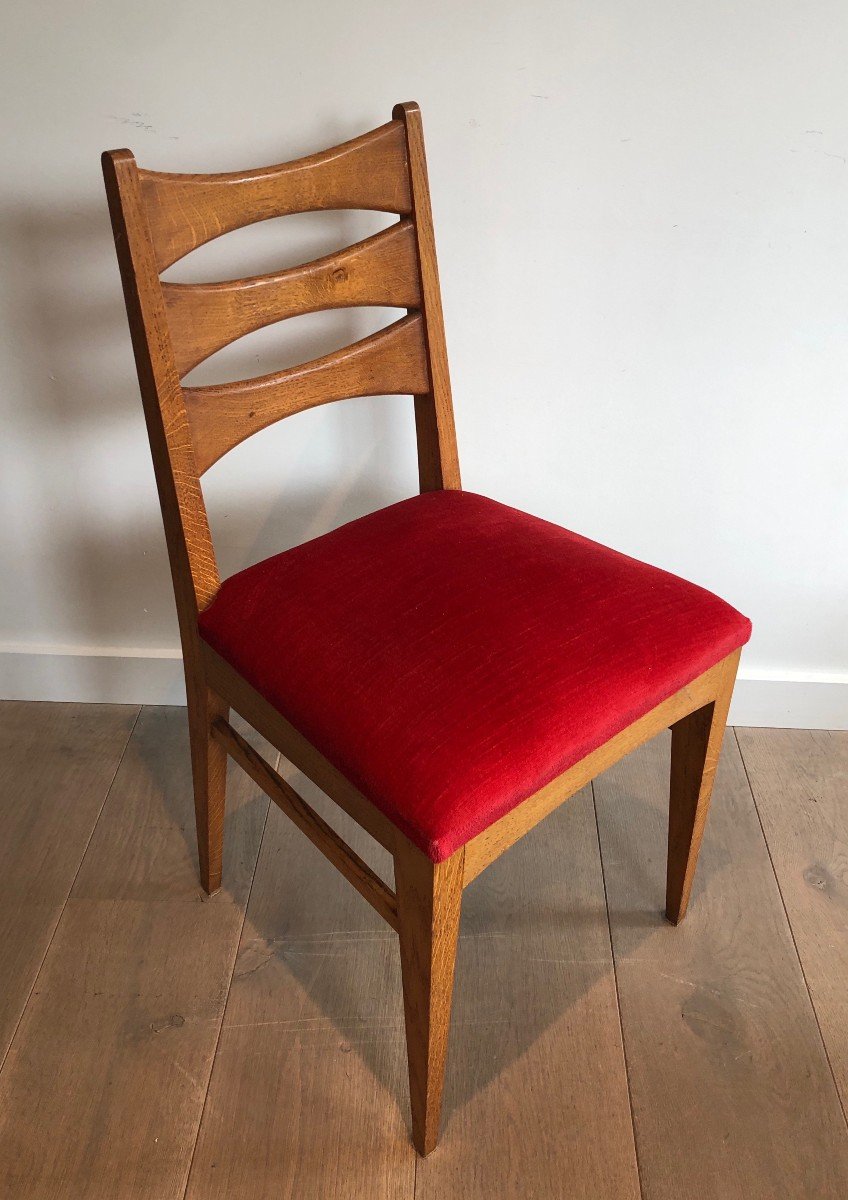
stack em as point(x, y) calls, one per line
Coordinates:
point(451, 655)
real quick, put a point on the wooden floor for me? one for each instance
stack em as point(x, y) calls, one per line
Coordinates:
point(157, 1044)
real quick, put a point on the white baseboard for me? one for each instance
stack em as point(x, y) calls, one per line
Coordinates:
point(96, 675)
point(123, 675)
point(790, 700)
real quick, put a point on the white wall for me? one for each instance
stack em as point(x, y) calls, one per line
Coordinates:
point(641, 212)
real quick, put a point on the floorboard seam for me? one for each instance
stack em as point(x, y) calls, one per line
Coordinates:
point(792, 931)
point(617, 997)
point(229, 989)
point(106, 793)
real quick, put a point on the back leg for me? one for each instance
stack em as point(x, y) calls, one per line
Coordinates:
point(209, 772)
point(695, 747)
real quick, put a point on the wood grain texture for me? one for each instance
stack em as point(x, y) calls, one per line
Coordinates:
point(696, 742)
point(429, 898)
point(800, 784)
point(732, 1094)
point(102, 1090)
point(185, 211)
point(308, 1096)
point(57, 762)
point(391, 361)
point(438, 460)
point(323, 836)
point(492, 842)
point(380, 271)
point(194, 570)
point(536, 1099)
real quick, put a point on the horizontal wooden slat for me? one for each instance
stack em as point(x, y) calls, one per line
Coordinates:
point(380, 271)
point(184, 211)
point(391, 362)
point(323, 836)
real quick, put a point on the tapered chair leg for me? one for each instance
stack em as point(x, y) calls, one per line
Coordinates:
point(209, 773)
point(429, 897)
point(695, 747)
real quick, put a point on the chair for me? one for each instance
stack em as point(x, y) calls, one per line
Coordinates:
point(448, 670)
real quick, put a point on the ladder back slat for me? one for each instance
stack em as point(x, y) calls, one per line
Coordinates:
point(380, 271)
point(390, 362)
point(157, 218)
point(185, 211)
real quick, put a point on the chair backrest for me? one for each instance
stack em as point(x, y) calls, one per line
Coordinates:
point(159, 218)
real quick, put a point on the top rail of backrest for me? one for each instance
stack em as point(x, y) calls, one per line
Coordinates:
point(368, 172)
point(158, 218)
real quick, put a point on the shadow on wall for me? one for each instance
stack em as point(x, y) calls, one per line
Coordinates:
point(87, 550)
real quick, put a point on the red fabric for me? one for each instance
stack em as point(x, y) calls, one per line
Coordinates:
point(451, 655)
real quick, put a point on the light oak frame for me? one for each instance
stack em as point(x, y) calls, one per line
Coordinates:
point(158, 218)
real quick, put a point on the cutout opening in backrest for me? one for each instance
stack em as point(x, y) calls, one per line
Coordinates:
point(381, 271)
point(390, 362)
point(276, 244)
point(289, 343)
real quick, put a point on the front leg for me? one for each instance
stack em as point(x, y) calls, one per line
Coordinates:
point(429, 898)
point(695, 748)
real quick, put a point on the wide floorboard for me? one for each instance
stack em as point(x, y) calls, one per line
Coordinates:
point(800, 783)
point(162, 1045)
point(733, 1096)
point(57, 762)
point(103, 1087)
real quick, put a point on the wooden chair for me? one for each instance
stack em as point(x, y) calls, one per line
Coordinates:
point(447, 670)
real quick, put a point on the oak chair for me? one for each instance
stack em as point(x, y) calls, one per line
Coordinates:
point(448, 670)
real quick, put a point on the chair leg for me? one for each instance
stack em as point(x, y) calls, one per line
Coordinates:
point(209, 772)
point(695, 747)
point(429, 899)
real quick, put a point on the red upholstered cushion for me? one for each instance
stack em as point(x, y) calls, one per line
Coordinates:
point(451, 655)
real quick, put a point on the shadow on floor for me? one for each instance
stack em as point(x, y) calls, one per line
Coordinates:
point(534, 938)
